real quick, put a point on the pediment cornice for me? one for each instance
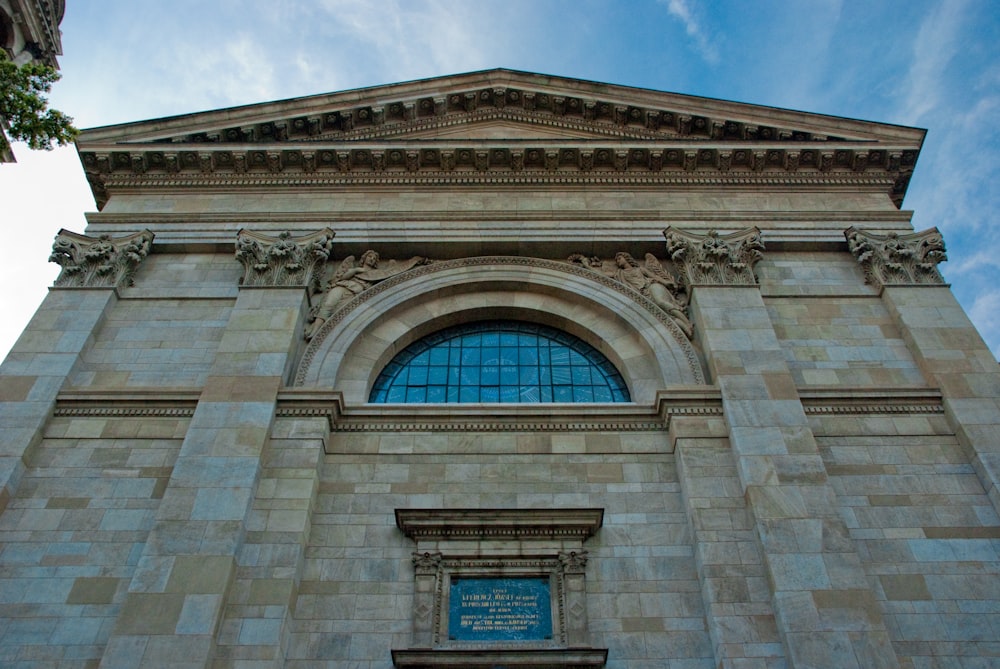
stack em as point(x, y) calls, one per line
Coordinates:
point(498, 162)
point(398, 109)
point(498, 126)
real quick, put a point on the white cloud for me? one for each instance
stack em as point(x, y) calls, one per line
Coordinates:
point(985, 313)
point(936, 43)
point(42, 192)
point(680, 10)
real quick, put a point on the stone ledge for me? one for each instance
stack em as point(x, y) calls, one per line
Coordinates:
point(553, 658)
point(506, 524)
point(861, 400)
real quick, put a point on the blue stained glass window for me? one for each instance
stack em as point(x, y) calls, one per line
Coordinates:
point(499, 361)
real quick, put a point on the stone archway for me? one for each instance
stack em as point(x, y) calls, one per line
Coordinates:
point(644, 343)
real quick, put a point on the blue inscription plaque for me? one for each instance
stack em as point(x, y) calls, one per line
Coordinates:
point(499, 609)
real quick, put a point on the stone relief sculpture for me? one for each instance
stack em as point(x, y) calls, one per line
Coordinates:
point(282, 260)
point(650, 280)
point(96, 262)
point(354, 277)
point(895, 259)
point(712, 258)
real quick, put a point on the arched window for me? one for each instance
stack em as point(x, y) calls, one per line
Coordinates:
point(499, 361)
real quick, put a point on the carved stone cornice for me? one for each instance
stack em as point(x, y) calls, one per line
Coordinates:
point(282, 260)
point(524, 658)
point(898, 260)
point(421, 162)
point(409, 114)
point(98, 262)
point(714, 259)
point(499, 524)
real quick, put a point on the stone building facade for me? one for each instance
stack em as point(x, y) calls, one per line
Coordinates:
point(210, 457)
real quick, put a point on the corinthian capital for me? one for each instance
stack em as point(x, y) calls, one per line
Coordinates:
point(281, 260)
point(714, 258)
point(895, 260)
point(98, 262)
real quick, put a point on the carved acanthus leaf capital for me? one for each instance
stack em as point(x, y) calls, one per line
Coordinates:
point(282, 260)
point(895, 259)
point(97, 262)
point(714, 259)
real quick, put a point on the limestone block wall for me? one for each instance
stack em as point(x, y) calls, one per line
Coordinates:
point(355, 597)
point(155, 343)
point(926, 531)
point(833, 328)
point(842, 341)
point(71, 536)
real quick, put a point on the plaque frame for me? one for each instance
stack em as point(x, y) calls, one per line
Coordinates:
point(499, 543)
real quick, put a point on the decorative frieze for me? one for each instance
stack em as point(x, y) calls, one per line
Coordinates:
point(898, 260)
point(97, 262)
point(714, 259)
point(282, 260)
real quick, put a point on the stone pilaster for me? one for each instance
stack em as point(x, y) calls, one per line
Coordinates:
point(574, 564)
point(821, 597)
point(257, 620)
point(37, 368)
point(427, 575)
point(61, 330)
point(176, 599)
point(730, 566)
point(943, 341)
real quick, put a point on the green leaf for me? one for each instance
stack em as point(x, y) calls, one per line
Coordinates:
point(24, 106)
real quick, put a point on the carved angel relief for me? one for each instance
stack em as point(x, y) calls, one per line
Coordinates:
point(649, 280)
point(353, 277)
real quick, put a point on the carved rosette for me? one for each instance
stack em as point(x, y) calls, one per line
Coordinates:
point(98, 262)
point(898, 260)
point(714, 259)
point(282, 260)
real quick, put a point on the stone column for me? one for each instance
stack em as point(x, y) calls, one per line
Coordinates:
point(943, 341)
point(176, 598)
point(820, 594)
point(57, 336)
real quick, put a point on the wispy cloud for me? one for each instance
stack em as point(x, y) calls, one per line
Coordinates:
point(407, 40)
point(681, 10)
point(985, 313)
point(936, 43)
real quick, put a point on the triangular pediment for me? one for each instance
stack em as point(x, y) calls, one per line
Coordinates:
point(501, 126)
point(485, 105)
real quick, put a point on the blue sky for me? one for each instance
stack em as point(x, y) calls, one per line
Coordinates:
point(930, 64)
